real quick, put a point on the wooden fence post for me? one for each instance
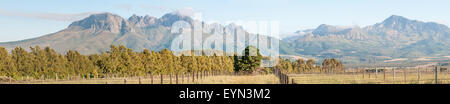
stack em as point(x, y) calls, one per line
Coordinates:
point(151, 75)
point(287, 79)
point(170, 77)
point(202, 74)
point(281, 79)
point(376, 73)
point(393, 71)
point(125, 81)
point(140, 78)
point(279, 76)
point(162, 82)
point(384, 74)
point(435, 75)
point(10, 82)
point(364, 72)
point(176, 78)
point(404, 75)
point(418, 76)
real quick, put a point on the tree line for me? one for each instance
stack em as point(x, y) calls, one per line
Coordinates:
point(120, 61)
point(299, 65)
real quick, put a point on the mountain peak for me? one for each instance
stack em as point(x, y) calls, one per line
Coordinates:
point(169, 18)
point(134, 18)
point(141, 21)
point(105, 20)
point(396, 17)
point(325, 29)
point(323, 26)
point(395, 20)
point(103, 16)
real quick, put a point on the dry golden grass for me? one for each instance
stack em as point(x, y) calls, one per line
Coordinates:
point(221, 79)
point(244, 79)
point(317, 78)
point(381, 78)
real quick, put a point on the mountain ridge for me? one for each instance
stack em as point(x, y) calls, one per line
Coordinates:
point(394, 37)
point(95, 33)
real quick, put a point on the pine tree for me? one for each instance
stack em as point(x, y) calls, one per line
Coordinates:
point(247, 62)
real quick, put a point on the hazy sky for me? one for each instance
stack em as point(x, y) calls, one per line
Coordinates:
point(23, 19)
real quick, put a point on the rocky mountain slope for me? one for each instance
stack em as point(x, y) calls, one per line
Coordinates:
point(395, 37)
point(97, 32)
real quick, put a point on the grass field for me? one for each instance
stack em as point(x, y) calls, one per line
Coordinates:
point(244, 79)
point(221, 79)
point(371, 78)
point(412, 77)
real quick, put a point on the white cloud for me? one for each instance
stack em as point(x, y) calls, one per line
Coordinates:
point(160, 8)
point(47, 16)
point(126, 7)
point(189, 12)
point(442, 22)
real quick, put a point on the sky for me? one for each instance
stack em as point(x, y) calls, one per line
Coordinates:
point(23, 19)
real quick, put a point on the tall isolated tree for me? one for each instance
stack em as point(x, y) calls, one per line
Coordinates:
point(250, 60)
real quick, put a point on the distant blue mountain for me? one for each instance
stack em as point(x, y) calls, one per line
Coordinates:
point(395, 37)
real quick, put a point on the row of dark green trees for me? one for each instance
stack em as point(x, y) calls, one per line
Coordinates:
point(120, 61)
point(300, 66)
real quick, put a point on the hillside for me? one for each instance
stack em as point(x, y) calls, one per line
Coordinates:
point(97, 32)
point(395, 37)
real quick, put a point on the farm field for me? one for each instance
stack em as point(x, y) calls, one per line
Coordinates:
point(244, 79)
point(219, 79)
point(370, 78)
point(356, 77)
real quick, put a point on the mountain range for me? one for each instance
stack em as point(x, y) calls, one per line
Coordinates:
point(97, 32)
point(395, 37)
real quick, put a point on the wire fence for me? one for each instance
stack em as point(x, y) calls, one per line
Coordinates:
point(369, 76)
point(176, 78)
